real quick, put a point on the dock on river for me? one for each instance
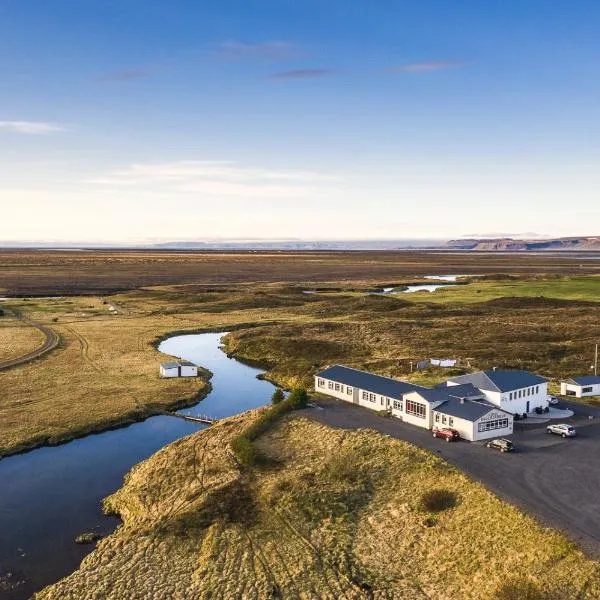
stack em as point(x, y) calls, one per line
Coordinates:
point(204, 419)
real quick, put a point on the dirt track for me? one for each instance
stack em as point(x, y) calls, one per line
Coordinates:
point(51, 340)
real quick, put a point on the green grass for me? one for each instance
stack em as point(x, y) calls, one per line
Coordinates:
point(564, 288)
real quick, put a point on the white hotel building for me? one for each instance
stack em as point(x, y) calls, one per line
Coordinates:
point(477, 413)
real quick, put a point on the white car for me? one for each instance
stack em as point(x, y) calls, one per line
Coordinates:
point(561, 429)
point(552, 400)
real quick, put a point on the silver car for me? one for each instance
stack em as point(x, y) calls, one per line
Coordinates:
point(561, 429)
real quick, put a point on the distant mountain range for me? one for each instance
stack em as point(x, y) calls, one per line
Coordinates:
point(518, 245)
point(475, 243)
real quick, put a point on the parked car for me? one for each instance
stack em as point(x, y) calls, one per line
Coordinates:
point(552, 400)
point(450, 435)
point(562, 429)
point(501, 444)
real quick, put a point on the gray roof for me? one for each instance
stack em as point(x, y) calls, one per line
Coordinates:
point(500, 381)
point(470, 410)
point(463, 390)
point(169, 365)
point(585, 380)
point(432, 396)
point(377, 384)
point(187, 363)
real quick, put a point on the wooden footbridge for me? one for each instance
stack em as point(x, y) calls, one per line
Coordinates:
point(204, 419)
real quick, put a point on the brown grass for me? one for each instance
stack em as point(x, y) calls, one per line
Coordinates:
point(338, 517)
point(106, 370)
point(43, 272)
point(17, 338)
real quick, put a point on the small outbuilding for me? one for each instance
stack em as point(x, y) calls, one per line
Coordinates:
point(182, 368)
point(586, 385)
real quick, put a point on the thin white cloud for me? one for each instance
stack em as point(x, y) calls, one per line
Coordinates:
point(30, 127)
point(275, 50)
point(424, 67)
point(218, 178)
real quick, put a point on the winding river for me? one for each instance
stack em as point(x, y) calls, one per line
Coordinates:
point(50, 495)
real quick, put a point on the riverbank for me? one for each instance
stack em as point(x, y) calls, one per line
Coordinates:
point(52, 494)
point(336, 514)
point(105, 372)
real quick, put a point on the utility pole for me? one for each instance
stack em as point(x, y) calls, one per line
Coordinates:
point(596, 361)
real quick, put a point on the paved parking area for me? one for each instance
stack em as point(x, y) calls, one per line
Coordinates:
point(556, 480)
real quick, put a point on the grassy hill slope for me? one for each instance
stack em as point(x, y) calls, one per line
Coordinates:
point(332, 514)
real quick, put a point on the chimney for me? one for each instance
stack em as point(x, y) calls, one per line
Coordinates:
point(462, 400)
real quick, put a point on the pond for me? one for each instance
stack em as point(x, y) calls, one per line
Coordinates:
point(50, 495)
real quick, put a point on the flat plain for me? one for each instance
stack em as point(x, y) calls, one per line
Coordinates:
point(362, 534)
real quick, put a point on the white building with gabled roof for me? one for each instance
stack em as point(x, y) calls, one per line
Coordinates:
point(517, 392)
point(462, 407)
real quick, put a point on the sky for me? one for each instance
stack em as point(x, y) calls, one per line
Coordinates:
point(128, 121)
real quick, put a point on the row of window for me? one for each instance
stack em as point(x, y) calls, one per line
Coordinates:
point(489, 425)
point(444, 420)
point(524, 392)
point(338, 387)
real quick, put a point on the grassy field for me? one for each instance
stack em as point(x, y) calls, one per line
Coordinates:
point(106, 369)
point(17, 338)
point(34, 272)
point(334, 515)
point(561, 287)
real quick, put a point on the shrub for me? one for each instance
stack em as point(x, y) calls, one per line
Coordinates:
point(277, 396)
point(245, 450)
point(438, 500)
point(520, 589)
point(298, 398)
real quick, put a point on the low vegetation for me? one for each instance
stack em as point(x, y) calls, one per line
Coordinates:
point(332, 514)
point(105, 371)
point(243, 443)
point(17, 338)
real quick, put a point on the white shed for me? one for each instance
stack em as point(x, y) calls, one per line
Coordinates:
point(586, 385)
point(187, 369)
point(169, 369)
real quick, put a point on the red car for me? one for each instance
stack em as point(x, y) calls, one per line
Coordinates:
point(450, 435)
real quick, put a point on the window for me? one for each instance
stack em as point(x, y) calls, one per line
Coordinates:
point(365, 395)
point(372, 398)
point(450, 421)
point(321, 383)
point(330, 385)
point(397, 405)
point(444, 419)
point(415, 408)
point(585, 390)
point(349, 390)
point(437, 417)
point(537, 389)
point(337, 387)
point(490, 425)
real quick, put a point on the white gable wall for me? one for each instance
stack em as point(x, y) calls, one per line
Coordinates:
point(574, 389)
point(487, 426)
point(172, 372)
point(189, 371)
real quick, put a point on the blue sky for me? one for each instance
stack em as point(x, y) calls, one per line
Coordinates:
point(129, 121)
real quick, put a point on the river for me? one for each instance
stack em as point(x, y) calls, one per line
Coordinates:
point(50, 495)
